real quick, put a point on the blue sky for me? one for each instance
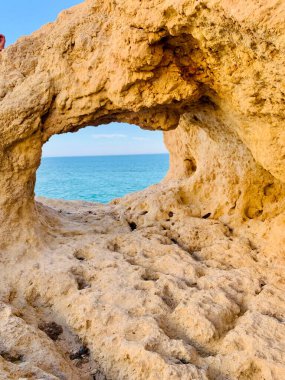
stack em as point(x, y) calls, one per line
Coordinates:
point(111, 139)
point(18, 18)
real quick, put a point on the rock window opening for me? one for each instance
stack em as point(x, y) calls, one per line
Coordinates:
point(100, 164)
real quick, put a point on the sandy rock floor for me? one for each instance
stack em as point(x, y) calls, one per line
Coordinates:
point(109, 299)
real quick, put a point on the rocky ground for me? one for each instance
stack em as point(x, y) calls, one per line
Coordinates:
point(112, 297)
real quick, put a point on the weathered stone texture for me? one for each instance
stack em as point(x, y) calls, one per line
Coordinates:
point(195, 289)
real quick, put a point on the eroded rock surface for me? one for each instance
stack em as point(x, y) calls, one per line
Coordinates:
point(184, 280)
point(180, 298)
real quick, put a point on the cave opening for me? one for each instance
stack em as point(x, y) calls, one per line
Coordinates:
point(99, 164)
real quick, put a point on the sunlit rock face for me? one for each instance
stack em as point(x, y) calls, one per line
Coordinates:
point(185, 279)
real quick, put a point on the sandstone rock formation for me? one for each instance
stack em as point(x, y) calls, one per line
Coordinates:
point(186, 279)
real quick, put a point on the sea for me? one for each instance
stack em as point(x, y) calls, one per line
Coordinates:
point(98, 178)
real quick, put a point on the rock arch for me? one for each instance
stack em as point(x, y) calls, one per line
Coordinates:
point(200, 67)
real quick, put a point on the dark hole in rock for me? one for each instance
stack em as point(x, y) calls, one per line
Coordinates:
point(52, 329)
point(206, 100)
point(190, 165)
point(206, 216)
point(79, 255)
point(170, 214)
point(267, 190)
point(116, 247)
point(133, 226)
point(195, 118)
point(82, 353)
point(252, 212)
point(11, 358)
point(183, 361)
point(174, 241)
point(144, 212)
point(150, 276)
point(81, 283)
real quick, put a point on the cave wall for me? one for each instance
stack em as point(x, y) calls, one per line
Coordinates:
point(215, 173)
point(210, 73)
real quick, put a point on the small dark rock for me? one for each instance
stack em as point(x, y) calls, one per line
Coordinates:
point(206, 216)
point(80, 354)
point(52, 329)
point(170, 214)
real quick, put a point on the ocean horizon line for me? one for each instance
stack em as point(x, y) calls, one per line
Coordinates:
point(109, 155)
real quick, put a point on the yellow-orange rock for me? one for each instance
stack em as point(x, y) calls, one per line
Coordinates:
point(184, 280)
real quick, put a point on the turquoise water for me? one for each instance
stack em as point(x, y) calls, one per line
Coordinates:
point(98, 178)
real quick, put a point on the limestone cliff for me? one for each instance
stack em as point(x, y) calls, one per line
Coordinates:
point(186, 279)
